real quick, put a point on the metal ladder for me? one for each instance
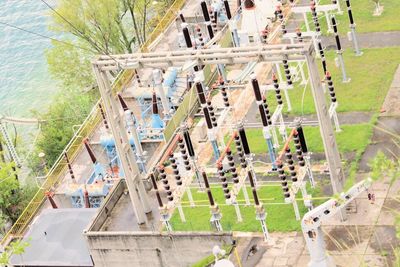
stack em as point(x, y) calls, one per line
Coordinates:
point(10, 146)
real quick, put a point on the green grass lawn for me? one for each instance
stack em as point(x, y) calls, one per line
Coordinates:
point(371, 76)
point(351, 138)
point(280, 217)
point(362, 13)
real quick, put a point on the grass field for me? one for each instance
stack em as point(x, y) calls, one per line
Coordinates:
point(280, 216)
point(371, 76)
point(352, 138)
point(363, 17)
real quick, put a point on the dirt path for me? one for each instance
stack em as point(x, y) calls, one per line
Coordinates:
point(387, 130)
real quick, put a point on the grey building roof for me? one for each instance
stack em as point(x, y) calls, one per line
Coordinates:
point(56, 239)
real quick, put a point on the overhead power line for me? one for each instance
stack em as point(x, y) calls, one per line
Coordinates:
point(43, 36)
point(79, 31)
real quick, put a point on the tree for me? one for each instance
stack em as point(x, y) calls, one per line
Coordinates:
point(15, 248)
point(98, 24)
point(11, 195)
point(70, 65)
point(70, 108)
point(87, 28)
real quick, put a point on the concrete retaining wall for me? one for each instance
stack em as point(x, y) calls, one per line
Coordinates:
point(107, 206)
point(148, 249)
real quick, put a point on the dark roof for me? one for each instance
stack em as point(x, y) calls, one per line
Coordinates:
point(56, 239)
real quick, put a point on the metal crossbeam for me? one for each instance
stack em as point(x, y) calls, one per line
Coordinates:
point(236, 55)
point(188, 58)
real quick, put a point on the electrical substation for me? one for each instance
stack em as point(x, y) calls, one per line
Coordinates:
point(179, 129)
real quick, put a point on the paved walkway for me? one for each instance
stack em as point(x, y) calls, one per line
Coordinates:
point(366, 40)
point(367, 237)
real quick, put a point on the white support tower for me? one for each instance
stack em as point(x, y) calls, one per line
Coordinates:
point(129, 165)
point(240, 55)
point(312, 221)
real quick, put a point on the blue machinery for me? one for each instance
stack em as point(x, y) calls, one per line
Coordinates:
point(91, 193)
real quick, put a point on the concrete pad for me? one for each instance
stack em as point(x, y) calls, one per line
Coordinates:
point(281, 261)
point(266, 262)
point(376, 261)
point(383, 240)
point(389, 212)
point(352, 239)
point(348, 260)
point(390, 105)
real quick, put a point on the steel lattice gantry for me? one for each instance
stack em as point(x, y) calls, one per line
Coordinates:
point(187, 59)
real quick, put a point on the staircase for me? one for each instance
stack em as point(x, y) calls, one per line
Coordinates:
point(10, 146)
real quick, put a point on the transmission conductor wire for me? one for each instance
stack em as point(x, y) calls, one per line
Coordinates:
point(73, 26)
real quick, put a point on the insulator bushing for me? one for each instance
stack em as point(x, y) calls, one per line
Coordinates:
point(350, 12)
point(214, 20)
point(264, 36)
point(224, 94)
point(299, 150)
point(322, 54)
point(188, 142)
point(287, 72)
point(281, 19)
point(184, 153)
point(210, 30)
point(256, 89)
point(315, 17)
point(227, 9)
point(299, 35)
point(243, 139)
point(207, 117)
point(200, 93)
point(174, 166)
point(224, 182)
point(331, 88)
point(277, 90)
point(284, 184)
point(164, 180)
point(267, 112)
point(204, 8)
point(253, 188)
point(137, 77)
point(207, 186)
point(303, 143)
point(335, 31)
point(200, 36)
point(212, 114)
point(263, 115)
point(186, 35)
point(182, 17)
point(290, 163)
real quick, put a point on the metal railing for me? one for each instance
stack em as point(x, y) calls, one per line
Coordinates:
point(73, 148)
point(163, 24)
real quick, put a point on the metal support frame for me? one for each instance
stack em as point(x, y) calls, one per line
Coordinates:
point(131, 127)
point(127, 159)
point(312, 220)
point(157, 77)
point(331, 150)
point(333, 115)
point(320, 8)
point(236, 55)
